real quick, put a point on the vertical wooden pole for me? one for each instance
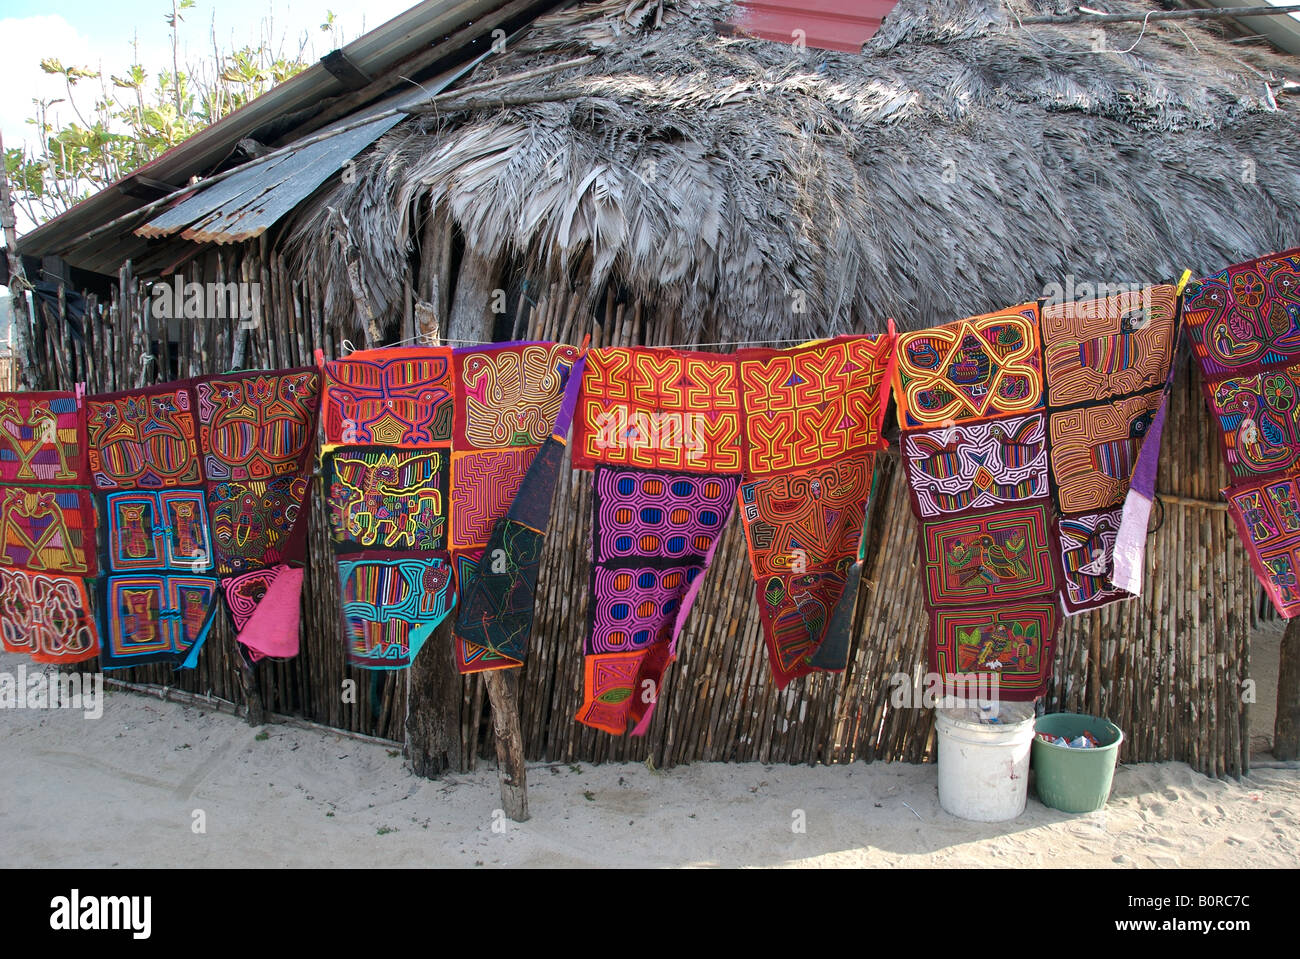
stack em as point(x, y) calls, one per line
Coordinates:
point(1286, 728)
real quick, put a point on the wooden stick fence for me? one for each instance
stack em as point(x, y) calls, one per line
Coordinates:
point(1169, 668)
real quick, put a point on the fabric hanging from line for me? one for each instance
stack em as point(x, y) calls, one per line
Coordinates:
point(506, 400)
point(812, 419)
point(1108, 365)
point(1244, 322)
point(48, 548)
point(498, 594)
point(970, 406)
point(387, 464)
point(257, 437)
point(157, 597)
point(661, 431)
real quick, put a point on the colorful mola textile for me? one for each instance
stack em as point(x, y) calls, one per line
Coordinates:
point(257, 437)
point(975, 447)
point(975, 369)
point(48, 548)
point(42, 440)
point(659, 409)
point(507, 399)
point(143, 439)
point(157, 594)
point(812, 418)
point(389, 397)
point(1244, 322)
point(653, 536)
point(1109, 362)
point(391, 605)
point(1246, 317)
point(46, 616)
point(388, 417)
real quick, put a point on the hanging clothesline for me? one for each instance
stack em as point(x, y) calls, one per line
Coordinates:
point(347, 346)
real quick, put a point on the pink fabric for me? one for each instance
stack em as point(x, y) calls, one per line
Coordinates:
point(272, 630)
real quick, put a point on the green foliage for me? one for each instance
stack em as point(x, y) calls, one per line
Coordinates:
point(122, 120)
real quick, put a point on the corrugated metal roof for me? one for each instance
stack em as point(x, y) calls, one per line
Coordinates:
point(298, 97)
point(247, 204)
point(843, 25)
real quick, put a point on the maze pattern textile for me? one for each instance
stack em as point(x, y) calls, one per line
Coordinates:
point(255, 427)
point(1105, 348)
point(1245, 317)
point(391, 606)
point(509, 395)
point(1259, 422)
point(483, 484)
point(47, 617)
point(802, 529)
point(47, 530)
point(653, 537)
point(812, 405)
point(974, 369)
point(1095, 448)
point(986, 558)
point(143, 439)
point(154, 618)
point(498, 595)
point(659, 409)
point(1267, 515)
point(1010, 643)
point(391, 397)
point(384, 498)
point(975, 466)
point(42, 440)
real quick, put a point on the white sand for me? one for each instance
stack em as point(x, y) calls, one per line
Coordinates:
point(122, 790)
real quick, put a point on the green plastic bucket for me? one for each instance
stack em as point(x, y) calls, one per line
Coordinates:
point(1075, 780)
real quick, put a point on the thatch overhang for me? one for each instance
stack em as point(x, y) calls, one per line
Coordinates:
point(960, 163)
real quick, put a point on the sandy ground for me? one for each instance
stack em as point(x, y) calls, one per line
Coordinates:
point(123, 790)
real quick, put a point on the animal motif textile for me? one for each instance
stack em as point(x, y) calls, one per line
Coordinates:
point(391, 605)
point(1246, 317)
point(42, 440)
point(813, 417)
point(653, 536)
point(975, 445)
point(1109, 363)
point(388, 417)
point(48, 547)
point(975, 369)
point(802, 529)
point(507, 399)
point(499, 583)
point(660, 409)
point(157, 596)
point(389, 397)
point(1244, 322)
point(257, 436)
point(143, 439)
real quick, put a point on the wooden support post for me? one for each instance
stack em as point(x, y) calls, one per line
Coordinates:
point(433, 707)
point(503, 692)
point(1286, 728)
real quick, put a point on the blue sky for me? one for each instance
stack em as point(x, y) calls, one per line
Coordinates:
point(99, 33)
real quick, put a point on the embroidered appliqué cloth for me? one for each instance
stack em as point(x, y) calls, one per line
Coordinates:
point(48, 549)
point(970, 401)
point(1244, 322)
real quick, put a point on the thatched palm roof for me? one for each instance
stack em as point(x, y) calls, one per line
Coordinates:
point(956, 166)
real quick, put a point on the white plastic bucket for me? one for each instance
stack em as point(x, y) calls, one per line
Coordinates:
point(984, 766)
